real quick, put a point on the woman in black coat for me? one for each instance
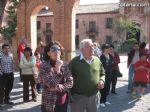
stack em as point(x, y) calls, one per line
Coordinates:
point(107, 62)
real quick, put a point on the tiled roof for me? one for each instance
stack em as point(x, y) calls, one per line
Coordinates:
point(98, 8)
point(93, 8)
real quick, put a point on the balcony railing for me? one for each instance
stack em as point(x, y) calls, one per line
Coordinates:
point(48, 32)
point(92, 32)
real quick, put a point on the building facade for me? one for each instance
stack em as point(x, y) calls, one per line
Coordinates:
point(96, 21)
point(92, 21)
point(137, 11)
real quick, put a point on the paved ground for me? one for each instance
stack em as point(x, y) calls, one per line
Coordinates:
point(16, 97)
point(120, 103)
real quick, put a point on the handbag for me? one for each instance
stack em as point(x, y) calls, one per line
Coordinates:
point(117, 73)
point(62, 98)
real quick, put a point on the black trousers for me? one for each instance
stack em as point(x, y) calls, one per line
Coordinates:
point(26, 80)
point(6, 85)
point(105, 91)
point(20, 74)
point(113, 82)
point(61, 108)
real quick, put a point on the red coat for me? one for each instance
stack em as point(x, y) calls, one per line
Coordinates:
point(38, 64)
point(145, 51)
point(141, 75)
point(21, 48)
point(116, 61)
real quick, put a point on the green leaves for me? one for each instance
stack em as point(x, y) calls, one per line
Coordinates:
point(122, 24)
point(9, 31)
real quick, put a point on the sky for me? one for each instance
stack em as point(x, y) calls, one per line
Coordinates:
point(83, 2)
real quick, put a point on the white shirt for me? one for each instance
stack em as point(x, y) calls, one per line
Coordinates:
point(135, 58)
point(88, 61)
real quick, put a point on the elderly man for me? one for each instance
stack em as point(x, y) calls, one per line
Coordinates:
point(89, 77)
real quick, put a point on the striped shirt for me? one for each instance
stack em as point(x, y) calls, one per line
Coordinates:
point(6, 63)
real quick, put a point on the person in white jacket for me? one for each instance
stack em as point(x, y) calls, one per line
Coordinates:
point(27, 65)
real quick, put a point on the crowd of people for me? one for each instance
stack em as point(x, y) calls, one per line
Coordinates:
point(138, 64)
point(84, 82)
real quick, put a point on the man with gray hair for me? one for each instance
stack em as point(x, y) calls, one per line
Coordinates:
point(89, 77)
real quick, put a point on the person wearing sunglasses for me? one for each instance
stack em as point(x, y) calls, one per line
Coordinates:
point(55, 78)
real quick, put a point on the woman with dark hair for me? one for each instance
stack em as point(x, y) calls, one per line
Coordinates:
point(115, 69)
point(55, 78)
point(144, 50)
point(27, 65)
point(107, 62)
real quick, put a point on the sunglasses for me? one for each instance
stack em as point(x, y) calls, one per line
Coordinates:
point(55, 49)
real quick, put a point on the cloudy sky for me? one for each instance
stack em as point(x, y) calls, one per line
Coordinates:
point(82, 2)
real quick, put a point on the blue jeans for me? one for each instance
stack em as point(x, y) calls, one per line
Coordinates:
point(39, 87)
point(130, 77)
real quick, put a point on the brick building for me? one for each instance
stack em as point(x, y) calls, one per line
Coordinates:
point(64, 11)
point(96, 21)
point(92, 21)
point(137, 11)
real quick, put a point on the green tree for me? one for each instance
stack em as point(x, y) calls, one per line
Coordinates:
point(9, 31)
point(122, 24)
point(119, 26)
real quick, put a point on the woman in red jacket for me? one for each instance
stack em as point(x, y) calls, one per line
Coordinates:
point(115, 69)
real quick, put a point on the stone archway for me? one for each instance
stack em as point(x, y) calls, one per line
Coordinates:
point(64, 22)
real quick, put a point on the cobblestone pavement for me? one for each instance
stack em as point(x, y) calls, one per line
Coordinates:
point(17, 98)
point(122, 102)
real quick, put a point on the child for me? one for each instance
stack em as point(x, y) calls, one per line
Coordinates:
point(141, 76)
point(38, 64)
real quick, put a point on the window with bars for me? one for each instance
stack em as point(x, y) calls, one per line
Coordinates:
point(92, 26)
point(38, 25)
point(109, 23)
point(92, 37)
point(48, 26)
point(77, 41)
point(109, 39)
point(77, 23)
